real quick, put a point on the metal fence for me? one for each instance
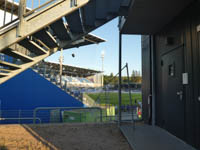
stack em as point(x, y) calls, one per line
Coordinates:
point(17, 117)
point(52, 115)
point(108, 97)
point(46, 115)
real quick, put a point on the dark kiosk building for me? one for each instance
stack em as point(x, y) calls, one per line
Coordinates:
point(170, 63)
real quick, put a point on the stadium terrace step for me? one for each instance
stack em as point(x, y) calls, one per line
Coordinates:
point(63, 88)
point(9, 65)
point(32, 46)
point(54, 26)
point(4, 70)
point(3, 74)
point(46, 38)
point(17, 55)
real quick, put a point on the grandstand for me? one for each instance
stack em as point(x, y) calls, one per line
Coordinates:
point(72, 77)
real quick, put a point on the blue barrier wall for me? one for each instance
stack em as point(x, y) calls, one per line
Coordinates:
point(29, 90)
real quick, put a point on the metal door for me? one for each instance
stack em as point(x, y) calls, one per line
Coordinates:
point(172, 92)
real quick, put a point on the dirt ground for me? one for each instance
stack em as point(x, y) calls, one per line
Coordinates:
point(62, 137)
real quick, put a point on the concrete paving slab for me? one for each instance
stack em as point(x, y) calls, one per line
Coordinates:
point(145, 137)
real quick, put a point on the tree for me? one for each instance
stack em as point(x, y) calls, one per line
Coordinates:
point(136, 76)
point(111, 74)
point(133, 73)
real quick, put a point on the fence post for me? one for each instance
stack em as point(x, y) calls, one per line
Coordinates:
point(19, 117)
point(100, 114)
point(106, 102)
point(34, 115)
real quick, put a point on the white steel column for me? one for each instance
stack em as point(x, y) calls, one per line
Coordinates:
point(61, 67)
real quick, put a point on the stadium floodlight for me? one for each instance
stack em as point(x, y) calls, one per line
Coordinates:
point(102, 54)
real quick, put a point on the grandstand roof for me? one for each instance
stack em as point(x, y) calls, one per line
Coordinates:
point(52, 67)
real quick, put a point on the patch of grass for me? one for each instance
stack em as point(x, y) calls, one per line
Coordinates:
point(112, 98)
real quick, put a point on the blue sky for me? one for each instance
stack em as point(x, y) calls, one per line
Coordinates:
point(90, 56)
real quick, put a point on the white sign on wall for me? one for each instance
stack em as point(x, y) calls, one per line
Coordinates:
point(185, 78)
point(198, 28)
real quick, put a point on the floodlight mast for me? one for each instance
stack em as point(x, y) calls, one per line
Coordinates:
point(102, 76)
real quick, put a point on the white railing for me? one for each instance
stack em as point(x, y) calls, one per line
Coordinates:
point(9, 9)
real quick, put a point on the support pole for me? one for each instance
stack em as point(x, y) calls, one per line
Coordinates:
point(22, 11)
point(120, 78)
point(32, 5)
point(153, 82)
point(61, 67)
point(5, 9)
point(12, 9)
point(130, 96)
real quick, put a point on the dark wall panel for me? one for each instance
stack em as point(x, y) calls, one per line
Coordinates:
point(195, 38)
point(167, 40)
point(182, 32)
point(146, 76)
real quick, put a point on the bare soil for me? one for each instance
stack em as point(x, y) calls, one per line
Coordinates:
point(62, 137)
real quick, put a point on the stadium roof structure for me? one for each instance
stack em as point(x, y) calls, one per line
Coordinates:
point(51, 67)
point(86, 40)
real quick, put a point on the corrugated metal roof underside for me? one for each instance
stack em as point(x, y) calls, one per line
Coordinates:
point(150, 16)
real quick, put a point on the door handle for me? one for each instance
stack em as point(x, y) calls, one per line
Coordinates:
point(180, 94)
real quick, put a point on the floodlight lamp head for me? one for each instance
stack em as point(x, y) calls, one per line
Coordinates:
point(102, 54)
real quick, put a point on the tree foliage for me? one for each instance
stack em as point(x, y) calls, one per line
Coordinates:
point(113, 80)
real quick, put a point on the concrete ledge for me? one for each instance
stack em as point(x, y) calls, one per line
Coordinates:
point(145, 137)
